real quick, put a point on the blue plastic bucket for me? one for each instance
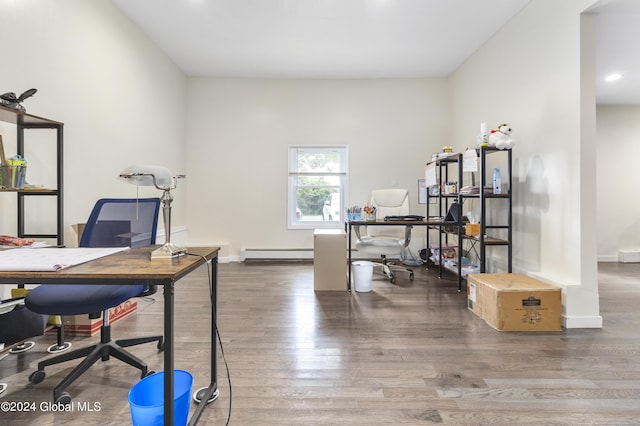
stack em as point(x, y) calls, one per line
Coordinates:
point(146, 399)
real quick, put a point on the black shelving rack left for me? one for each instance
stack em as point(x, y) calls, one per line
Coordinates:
point(23, 123)
point(446, 201)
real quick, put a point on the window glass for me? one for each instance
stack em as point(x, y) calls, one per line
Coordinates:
point(317, 186)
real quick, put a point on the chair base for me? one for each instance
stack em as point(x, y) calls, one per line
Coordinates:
point(91, 354)
point(389, 269)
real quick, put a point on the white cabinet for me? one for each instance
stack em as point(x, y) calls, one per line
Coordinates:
point(330, 260)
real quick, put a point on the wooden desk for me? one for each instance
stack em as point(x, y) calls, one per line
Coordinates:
point(135, 267)
point(408, 224)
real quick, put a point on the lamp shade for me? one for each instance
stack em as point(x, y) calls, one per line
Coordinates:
point(144, 175)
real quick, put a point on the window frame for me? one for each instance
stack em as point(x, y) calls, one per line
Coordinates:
point(292, 183)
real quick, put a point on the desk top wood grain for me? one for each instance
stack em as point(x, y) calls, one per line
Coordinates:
point(133, 266)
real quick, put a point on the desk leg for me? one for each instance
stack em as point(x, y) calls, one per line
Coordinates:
point(349, 261)
point(168, 353)
point(209, 394)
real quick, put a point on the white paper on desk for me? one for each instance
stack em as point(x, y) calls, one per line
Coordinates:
point(470, 161)
point(430, 175)
point(51, 259)
point(37, 244)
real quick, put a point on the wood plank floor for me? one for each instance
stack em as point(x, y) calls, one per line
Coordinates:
point(403, 354)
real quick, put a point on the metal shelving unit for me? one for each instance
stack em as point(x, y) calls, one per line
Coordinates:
point(485, 239)
point(449, 230)
point(23, 123)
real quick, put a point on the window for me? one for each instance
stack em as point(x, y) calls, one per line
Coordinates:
point(317, 186)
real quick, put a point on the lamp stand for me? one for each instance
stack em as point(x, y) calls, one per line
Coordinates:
point(167, 250)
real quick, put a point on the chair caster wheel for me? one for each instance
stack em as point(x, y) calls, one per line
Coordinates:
point(411, 276)
point(150, 373)
point(64, 398)
point(37, 376)
point(392, 280)
point(160, 346)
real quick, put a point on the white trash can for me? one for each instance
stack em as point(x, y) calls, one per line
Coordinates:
point(362, 275)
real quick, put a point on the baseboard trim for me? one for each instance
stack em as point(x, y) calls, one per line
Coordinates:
point(582, 322)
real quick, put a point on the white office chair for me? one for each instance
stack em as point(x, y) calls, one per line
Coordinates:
point(387, 240)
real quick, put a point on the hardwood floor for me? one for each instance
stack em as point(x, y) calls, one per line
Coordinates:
point(403, 354)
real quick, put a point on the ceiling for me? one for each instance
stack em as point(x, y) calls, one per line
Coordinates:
point(361, 38)
point(617, 25)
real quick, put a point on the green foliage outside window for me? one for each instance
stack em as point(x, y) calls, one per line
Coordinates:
point(311, 199)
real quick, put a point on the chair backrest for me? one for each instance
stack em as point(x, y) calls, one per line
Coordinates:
point(122, 222)
point(389, 202)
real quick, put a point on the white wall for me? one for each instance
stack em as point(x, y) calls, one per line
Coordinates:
point(239, 131)
point(618, 134)
point(529, 75)
point(124, 102)
point(121, 99)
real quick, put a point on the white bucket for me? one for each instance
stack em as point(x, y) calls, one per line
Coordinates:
point(362, 275)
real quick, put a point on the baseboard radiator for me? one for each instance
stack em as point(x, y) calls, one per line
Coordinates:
point(248, 255)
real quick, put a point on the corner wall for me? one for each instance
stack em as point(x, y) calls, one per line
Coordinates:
point(121, 99)
point(529, 75)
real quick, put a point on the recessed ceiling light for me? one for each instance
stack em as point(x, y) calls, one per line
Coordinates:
point(613, 77)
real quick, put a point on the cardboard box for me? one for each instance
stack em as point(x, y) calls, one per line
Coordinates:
point(472, 229)
point(81, 325)
point(515, 302)
point(78, 228)
point(110, 232)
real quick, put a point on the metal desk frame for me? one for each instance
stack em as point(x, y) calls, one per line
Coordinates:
point(134, 267)
point(348, 225)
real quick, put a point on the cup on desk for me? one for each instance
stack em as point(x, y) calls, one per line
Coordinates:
point(370, 217)
point(353, 216)
point(13, 176)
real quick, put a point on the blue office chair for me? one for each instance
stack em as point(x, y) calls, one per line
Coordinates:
point(112, 223)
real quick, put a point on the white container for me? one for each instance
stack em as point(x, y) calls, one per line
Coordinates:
point(362, 275)
point(497, 181)
point(329, 263)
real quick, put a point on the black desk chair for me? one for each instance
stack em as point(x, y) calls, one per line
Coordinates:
point(113, 223)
